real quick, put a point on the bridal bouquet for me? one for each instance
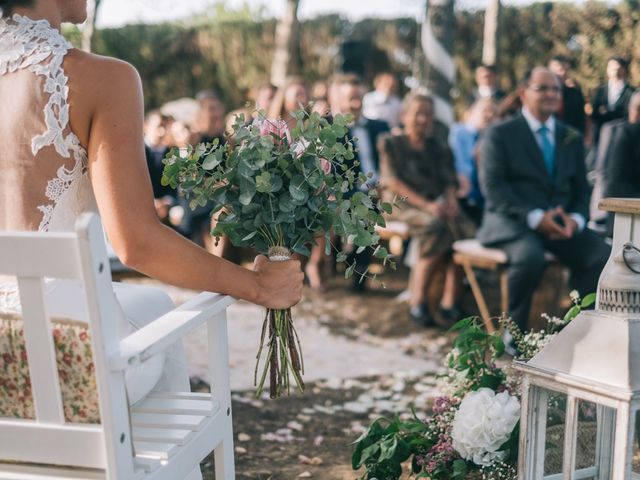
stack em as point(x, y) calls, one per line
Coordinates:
point(276, 190)
point(473, 432)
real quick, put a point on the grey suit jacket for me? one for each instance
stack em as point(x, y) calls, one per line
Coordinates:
point(621, 174)
point(514, 179)
point(607, 133)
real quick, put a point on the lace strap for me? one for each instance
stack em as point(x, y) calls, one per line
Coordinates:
point(36, 46)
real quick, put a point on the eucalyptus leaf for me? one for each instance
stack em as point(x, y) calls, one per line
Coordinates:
point(211, 161)
point(246, 197)
point(276, 183)
point(263, 182)
point(250, 236)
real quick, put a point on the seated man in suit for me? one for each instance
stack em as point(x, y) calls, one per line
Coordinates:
point(621, 172)
point(602, 174)
point(532, 174)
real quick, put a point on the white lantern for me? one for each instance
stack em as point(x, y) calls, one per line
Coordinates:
point(581, 393)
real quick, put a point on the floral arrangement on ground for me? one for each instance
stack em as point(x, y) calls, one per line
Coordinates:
point(474, 427)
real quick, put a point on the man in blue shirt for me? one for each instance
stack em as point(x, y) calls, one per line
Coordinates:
point(463, 140)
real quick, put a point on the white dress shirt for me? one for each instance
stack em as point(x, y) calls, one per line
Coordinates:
point(378, 106)
point(614, 90)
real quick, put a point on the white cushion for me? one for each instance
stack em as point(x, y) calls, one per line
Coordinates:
point(474, 248)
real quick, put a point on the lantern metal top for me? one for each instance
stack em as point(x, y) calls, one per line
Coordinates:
point(600, 349)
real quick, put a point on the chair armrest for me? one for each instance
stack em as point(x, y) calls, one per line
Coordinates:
point(167, 329)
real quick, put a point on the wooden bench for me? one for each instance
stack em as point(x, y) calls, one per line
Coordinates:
point(165, 435)
point(394, 232)
point(470, 254)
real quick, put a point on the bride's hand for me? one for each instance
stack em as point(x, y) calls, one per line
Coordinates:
point(279, 283)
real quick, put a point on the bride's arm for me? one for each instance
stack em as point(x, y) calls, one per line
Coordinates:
point(125, 199)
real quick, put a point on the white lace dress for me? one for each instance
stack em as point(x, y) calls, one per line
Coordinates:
point(44, 183)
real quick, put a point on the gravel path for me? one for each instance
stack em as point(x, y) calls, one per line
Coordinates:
point(326, 355)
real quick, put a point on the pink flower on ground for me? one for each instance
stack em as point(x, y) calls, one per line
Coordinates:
point(276, 129)
point(442, 404)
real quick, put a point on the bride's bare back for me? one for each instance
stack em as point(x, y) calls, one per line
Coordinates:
point(44, 183)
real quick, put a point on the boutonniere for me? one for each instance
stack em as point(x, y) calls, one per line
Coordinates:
point(571, 135)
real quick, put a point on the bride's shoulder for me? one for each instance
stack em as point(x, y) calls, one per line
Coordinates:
point(98, 70)
point(99, 84)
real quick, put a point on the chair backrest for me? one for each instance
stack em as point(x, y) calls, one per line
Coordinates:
point(79, 255)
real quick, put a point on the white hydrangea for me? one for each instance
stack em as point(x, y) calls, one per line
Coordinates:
point(483, 423)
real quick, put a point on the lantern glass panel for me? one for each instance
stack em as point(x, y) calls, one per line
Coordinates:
point(635, 459)
point(556, 409)
point(586, 434)
point(594, 440)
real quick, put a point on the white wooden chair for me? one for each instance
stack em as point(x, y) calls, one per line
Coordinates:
point(164, 436)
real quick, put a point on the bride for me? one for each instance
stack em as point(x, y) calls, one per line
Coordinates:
point(71, 134)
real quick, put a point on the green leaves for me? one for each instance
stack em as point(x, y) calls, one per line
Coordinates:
point(212, 160)
point(588, 300)
point(268, 183)
point(473, 357)
point(245, 198)
point(579, 305)
point(298, 190)
point(279, 192)
point(386, 444)
point(459, 470)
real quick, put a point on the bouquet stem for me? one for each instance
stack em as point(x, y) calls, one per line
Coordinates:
point(280, 339)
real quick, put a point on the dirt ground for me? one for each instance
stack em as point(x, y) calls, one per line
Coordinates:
point(309, 435)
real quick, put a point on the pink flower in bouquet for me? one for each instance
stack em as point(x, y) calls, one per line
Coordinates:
point(326, 166)
point(276, 129)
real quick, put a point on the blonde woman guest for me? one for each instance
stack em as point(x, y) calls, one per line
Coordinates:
point(418, 167)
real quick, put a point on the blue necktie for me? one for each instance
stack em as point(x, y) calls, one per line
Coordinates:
point(548, 150)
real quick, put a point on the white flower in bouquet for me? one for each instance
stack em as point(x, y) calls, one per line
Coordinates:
point(483, 423)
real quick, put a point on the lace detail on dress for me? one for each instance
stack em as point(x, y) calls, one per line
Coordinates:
point(33, 44)
point(66, 183)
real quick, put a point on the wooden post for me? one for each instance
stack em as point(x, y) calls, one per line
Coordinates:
point(287, 59)
point(90, 24)
point(438, 74)
point(490, 43)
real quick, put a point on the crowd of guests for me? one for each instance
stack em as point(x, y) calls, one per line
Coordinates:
point(520, 170)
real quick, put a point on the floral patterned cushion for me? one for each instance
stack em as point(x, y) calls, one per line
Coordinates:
point(75, 369)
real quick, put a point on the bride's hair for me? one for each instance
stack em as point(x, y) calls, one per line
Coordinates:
point(6, 6)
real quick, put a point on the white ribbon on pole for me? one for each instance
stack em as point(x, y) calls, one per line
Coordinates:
point(437, 56)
